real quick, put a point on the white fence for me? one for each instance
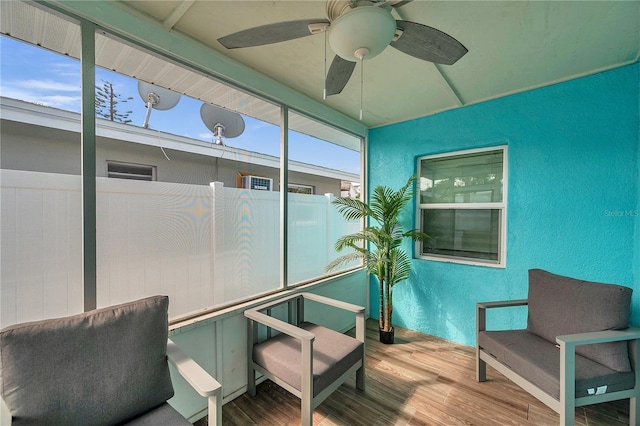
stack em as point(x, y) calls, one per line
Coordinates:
point(203, 246)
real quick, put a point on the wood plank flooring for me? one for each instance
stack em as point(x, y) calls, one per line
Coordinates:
point(419, 380)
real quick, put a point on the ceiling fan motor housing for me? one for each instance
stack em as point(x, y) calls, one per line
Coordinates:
point(365, 27)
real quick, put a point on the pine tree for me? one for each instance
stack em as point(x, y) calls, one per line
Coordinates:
point(107, 101)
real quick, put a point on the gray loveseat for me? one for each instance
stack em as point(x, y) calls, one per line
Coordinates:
point(103, 367)
point(575, 349)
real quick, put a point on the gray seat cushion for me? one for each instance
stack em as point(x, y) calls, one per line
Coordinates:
point(561, 305)
point(164, 415)
point(333, 354)
point(102, 367)
point(538, 361)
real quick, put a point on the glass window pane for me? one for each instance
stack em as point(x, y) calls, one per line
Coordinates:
point(467, 178)
point(323, 159)
point(203, 226)
point(40, 201)
point(468, 233)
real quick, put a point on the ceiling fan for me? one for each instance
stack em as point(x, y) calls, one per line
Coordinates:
point(357, 30)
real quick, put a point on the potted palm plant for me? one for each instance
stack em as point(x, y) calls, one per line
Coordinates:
point(381, 253)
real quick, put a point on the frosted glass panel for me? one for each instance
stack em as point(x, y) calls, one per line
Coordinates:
point(41, 263)
point(245, 248)
point(319, 171)
point(206, 229)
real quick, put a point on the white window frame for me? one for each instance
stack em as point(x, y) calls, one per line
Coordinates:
point(500, 206)
point(132, 175)
point(312, 189)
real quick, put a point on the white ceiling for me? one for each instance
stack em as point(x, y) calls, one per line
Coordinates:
point(513, 46)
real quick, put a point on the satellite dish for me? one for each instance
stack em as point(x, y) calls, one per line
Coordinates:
point(157, 98)
point(221, 122)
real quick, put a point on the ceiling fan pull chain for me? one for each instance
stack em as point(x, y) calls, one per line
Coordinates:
point(361, 83)
point(324, 92)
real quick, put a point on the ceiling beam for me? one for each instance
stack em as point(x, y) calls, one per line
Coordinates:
point(446, 83)
point(176, 14)
point(449, 85)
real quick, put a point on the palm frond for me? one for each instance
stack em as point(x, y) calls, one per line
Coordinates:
point(378, 245)
point(351, 208)
point(400, 265)
point(343, 260)
point(417, 235)
point(367, 235)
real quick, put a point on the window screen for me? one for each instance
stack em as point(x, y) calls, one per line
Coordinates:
point(462, 206)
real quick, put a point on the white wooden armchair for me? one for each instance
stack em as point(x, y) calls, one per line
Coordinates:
point(306, 359)
point(103, 367)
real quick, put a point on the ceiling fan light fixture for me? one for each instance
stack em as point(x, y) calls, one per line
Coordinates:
point(366, 27)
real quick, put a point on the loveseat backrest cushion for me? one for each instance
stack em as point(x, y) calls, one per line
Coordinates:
point(101, 367)
point(561, 305)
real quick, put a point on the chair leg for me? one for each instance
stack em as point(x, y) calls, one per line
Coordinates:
point(306, 412)
point(360, 378)
point(567, 415)
point(215, 410)
point(481, 368)
point(634, 409)
point(251, 381)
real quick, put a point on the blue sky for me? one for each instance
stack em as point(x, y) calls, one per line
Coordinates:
point(33, 74)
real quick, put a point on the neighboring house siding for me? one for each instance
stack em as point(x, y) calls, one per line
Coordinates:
point(39, 149)
point(42, 149)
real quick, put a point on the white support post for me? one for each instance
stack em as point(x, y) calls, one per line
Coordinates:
point(284, 195)
point(88, 154)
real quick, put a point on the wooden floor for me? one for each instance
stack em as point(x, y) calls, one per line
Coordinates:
point(419, 380)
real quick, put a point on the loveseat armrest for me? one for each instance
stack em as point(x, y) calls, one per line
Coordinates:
point(481, 310)
point(502, 303)
point(568, 343)
point(481, 325)
point(199, 379)
point(594, 337)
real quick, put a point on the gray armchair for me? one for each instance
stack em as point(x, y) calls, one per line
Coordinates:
point(103, 367)
point(575, 349)
point(306, 359)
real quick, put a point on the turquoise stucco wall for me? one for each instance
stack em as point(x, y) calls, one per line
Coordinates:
point(573, 195)
point(636, 255)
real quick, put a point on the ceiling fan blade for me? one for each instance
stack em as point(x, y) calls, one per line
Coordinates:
point(428, 44)
point(393, 3)
point(339, 74)
point(271, 33)
point(401, 3)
